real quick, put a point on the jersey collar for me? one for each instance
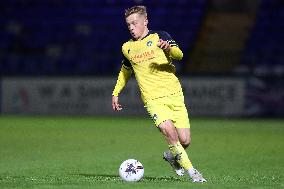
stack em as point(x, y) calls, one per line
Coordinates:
point(150, 32)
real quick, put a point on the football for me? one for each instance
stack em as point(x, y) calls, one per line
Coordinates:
point(131, 170)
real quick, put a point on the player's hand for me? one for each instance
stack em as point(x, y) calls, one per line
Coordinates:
point(115, 104)
point(164, 45)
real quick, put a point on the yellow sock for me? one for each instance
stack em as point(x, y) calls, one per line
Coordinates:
point(180, 155)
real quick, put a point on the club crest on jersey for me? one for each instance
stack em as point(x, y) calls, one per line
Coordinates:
point(149, 43)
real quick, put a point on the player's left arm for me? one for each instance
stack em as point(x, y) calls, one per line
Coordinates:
point(169, 46)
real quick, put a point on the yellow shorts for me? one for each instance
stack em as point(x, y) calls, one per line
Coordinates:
point(170, 107)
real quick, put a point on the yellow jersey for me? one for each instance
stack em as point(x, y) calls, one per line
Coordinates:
point(152, 66)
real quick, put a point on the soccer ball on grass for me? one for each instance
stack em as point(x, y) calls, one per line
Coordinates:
point(131, 170)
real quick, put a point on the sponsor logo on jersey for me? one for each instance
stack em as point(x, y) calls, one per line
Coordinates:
point(144, 56)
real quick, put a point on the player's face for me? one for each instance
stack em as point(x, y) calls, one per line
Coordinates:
point(137, 25)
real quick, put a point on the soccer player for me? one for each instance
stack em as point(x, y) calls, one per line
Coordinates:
point(149, 56)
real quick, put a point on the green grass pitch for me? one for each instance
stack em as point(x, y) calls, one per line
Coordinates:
point(85, 152)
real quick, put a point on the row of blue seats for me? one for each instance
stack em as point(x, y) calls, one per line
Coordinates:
point(62, 25)
point(80, 51)
point(104, 2)
point(118, 14)
point(266, 43)
point(37, 65)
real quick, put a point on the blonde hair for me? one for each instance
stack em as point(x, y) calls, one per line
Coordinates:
point(142, 10)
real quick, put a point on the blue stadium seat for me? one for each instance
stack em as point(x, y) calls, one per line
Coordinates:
point(265, 45)
point(65, 23)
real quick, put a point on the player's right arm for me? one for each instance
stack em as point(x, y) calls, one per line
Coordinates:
point(123, 77)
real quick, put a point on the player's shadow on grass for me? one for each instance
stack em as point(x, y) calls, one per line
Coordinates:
point(106, 177)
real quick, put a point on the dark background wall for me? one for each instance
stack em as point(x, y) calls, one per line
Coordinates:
point(83, 38)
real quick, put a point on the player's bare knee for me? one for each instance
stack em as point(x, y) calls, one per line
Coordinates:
point(170, 134)
point(166, 127)
point(168, 130)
